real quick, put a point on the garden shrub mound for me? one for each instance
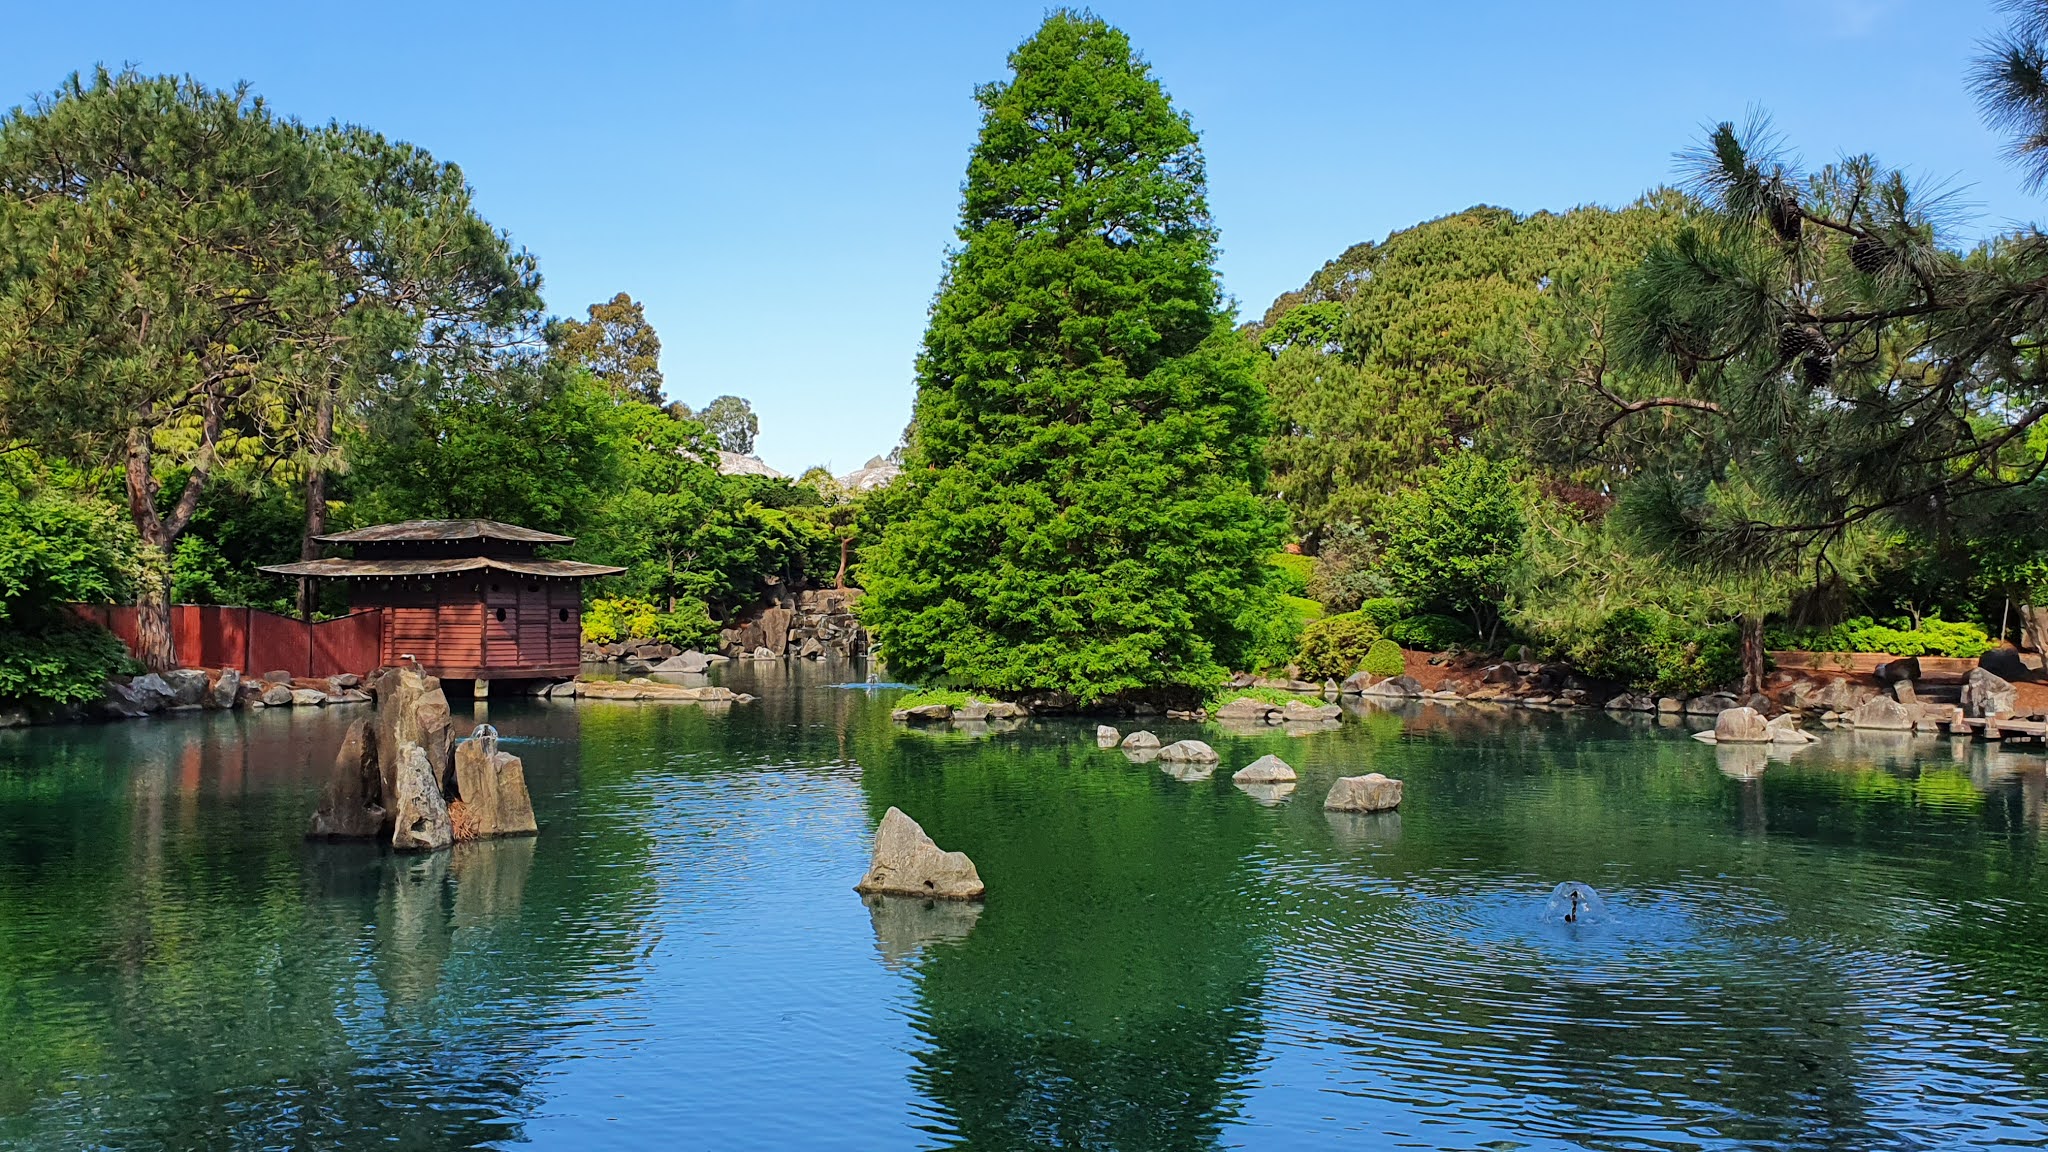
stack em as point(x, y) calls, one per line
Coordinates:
point(1383, 659)
point(1898, 637)
point(1332, 647)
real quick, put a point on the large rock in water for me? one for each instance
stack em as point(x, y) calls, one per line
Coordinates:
point(1741, 726)
point(1141, 739)
point(1987, 694)
point(1193, 751)
point(419, 813)
point(907, 863)
point(1302, 710)
point(1247, 708)
point(1265, 770)
point(140, 696)
point(1371, 792)
point(1107, 737)
point(411, 709)
point(352, 807)
point(490, 790)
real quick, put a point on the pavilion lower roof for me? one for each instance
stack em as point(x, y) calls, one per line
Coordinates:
point(337, 568)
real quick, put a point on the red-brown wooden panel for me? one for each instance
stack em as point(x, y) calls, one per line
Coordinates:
point(349, 644)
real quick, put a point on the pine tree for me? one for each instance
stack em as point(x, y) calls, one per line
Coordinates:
point(1086, 455)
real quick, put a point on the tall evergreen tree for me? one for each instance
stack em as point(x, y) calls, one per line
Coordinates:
point(1087, 455)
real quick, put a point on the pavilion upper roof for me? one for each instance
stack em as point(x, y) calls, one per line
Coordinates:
point(443, 531)
point(333, 569)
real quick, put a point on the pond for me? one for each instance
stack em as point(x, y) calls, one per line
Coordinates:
point(1840, 949)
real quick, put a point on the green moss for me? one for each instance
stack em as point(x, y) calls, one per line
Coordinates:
point(950, 697)
point(1278, 697)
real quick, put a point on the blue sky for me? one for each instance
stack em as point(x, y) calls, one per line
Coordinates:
point(778, 181)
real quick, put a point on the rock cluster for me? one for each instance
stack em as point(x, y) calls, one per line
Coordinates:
point(808, 625)
point(641, 688)
point(969, 712)
point(906, 863)
point(401, 778)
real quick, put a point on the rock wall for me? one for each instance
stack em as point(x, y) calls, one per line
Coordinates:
point(809, 625)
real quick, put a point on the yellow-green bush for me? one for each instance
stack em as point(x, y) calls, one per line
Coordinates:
point(626, 618)
point(1331, 648)
point(1384, 658)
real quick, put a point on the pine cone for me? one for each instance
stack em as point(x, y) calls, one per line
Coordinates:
point(1820, 370)
point(1782, 210)
point(1796, 340)
point(1870, 255)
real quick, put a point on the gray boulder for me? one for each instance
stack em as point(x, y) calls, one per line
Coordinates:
point(351, 807)
point(1987, 694)
point(277, 677)
point(308, 696)
point(419, 813)
point(687, 664)
point(276, 696)
point(1741, 726)
point(1906, 668)
point(345, 681)
point(972, 710)
point(187, 685)
point(1005, 710)
point(1712, 704)
point(1141, 739)
point(1107, 737)
point(1395, 686)
point(1264, 770)
point(143, 695)
point(1670, 705)
point(907, 863)
point(923, 713)
point(1883, 714)
point(1371, 792)
point(490, 790)
point(1191, 751)
point(1785, 729)
point(224, 689)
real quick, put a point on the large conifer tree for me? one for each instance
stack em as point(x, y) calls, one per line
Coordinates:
point(1085, 456)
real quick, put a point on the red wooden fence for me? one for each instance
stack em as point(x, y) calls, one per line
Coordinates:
point(253, 641)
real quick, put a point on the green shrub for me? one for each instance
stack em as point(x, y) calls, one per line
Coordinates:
point(1384, 659)
point(1332, 647)
point(1895, 637)
point(63, 662)
point(1294, 573)
point(1386, 610)
point(1278, 697)
point(609, 621)
point(1279, 637)
point(1429, 633)
point(1656, 653)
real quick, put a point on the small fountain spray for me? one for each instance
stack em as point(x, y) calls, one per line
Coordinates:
point(1575, 904)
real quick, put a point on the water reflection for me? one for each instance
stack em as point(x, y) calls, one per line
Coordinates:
point(1833, 949)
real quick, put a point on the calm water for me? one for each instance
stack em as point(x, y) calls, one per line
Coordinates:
point(1841, 951)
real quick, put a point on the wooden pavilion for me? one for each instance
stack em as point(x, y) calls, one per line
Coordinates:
point(467, 599)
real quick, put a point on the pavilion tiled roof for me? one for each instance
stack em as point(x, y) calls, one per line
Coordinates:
point(443, 531)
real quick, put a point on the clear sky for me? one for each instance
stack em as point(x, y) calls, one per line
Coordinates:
point(778, 181)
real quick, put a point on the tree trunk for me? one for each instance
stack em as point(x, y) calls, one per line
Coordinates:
point(845, 549)
point(2034, 627)
point(1752, 654)
point(154, 644)
point(316, 494)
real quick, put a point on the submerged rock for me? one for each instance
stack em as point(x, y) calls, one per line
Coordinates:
point(1107, 737)
point(490, 789)
point(1141, 739)
point(352, 806)
point(1265, 770)
point(1371, 792)
point(907, 863)
point(420, 820)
